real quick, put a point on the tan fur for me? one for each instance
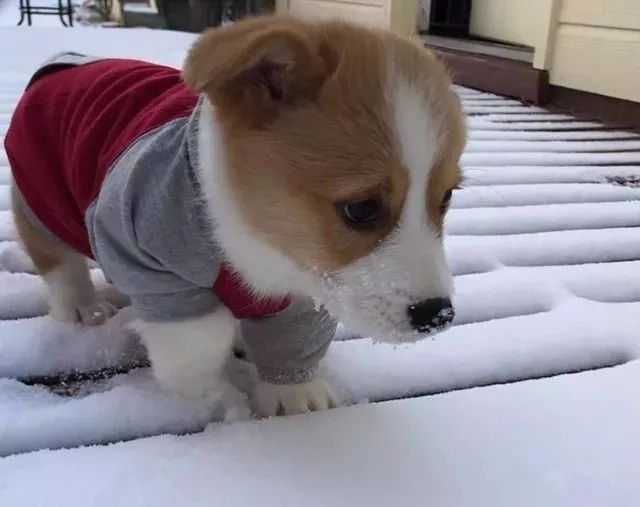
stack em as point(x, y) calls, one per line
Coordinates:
point(308, 127)
point(233, 63)
point(446, 174)
point(45, 253)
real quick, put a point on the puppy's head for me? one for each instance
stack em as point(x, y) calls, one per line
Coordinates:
point(340, 152)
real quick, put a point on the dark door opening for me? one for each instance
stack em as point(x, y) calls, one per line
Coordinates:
point(450, 18)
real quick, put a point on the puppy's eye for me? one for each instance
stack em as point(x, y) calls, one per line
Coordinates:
point(362, 214)
point(446, 200)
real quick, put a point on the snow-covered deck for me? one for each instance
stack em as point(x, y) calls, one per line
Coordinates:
point(545, 244)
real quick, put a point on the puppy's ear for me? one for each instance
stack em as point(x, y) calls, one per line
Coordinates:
point(253, 69)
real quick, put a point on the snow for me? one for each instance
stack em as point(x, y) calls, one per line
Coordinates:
point(24, 295)
point(529, 444)
point(159, 46)
point(490, 175)
point(552, 248)
point(545, 253)
point(90, 419)
point(542, 218)
point(490, 101)
point(477, 122)
point(494, 109)
point(527, 117)
point(39, 346)
point(552, 146)
point(547, 193)
point(7, 230)
point(549, 158)
point(550, 136)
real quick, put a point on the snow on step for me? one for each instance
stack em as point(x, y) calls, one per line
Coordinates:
point(521, 195)
point(41, 346)
point(13, 258)
point(551, 248)
point(15, 87)
point(475, 94)
point(538, 288)
point(512, 295)
point(24, 295)
point(532, 135)
point(8, 78)
point(501, 109)
point(545, 158)
point(4, 159)
point(611, 282)
point(478, 122)
point(548, 442)
point(478, 354)
point(511, 349)
point(43, 420)
point(485, 101)
point(5, 200)
point(5, 173)
point(5, 116)
point(7, 229)
point(524, 117)
point(505, 175)
point(547, 146)
point(555, 217)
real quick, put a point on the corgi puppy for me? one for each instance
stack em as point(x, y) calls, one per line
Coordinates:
point(296, 173)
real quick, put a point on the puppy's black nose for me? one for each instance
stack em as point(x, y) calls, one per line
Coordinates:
point(431, 314)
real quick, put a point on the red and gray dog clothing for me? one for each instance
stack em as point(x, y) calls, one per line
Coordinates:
point(104, 153)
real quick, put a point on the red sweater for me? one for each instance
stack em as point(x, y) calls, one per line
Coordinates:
point(71, 126)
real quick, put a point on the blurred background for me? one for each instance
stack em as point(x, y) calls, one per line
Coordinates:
point(576, 54)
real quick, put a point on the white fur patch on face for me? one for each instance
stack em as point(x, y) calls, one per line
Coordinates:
point(266, 269)
point(372, 296)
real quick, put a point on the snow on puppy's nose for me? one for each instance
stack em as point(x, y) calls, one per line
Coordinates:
point(431, 314)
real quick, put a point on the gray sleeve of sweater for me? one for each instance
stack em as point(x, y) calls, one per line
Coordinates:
point(287, 348)
point(146, 231)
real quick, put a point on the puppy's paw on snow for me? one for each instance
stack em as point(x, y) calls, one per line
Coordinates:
point(92, 314)
point(188, 384)
point(286, 399)
point(234, 403)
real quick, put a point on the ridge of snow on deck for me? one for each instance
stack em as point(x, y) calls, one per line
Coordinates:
point(546, 253)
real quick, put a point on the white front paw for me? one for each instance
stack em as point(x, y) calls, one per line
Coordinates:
point(286, 399)
point(228, 403)
point(92, 314)
point(187, 383)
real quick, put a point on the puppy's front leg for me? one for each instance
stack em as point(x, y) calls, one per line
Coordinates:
point(188, 357)
point(286, 349)
point(285, 399)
